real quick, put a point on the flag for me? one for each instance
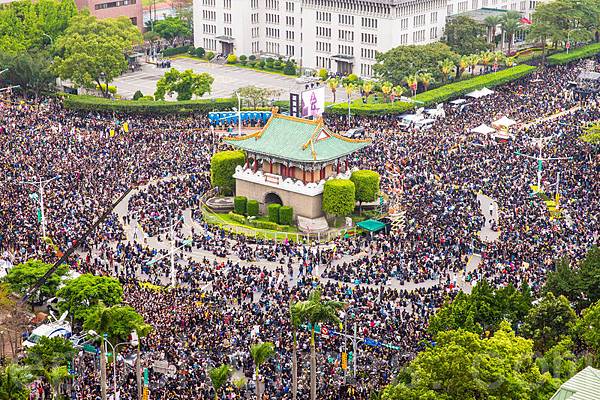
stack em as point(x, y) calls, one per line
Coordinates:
point(125, 127)
point(526, 21)
point(39, 214)
point(112, 132)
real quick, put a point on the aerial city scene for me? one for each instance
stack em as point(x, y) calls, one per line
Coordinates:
point(299, 199)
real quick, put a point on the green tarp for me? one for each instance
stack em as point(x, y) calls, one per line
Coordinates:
point(371, 225)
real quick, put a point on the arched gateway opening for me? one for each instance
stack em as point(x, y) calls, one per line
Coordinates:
point(272, 198)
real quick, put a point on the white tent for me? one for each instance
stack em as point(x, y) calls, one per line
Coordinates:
point(412, 117)
point(480, 93)
point(486, 92)
point(483, 129)
point(504, 122)
point(458, 101)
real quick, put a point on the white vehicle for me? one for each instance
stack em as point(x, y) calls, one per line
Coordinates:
point(59, 328)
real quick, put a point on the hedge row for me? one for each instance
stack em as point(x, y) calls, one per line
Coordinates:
point(176, 50)
point(273, 212)
point(91, 103)
point(252, 208)
point(437, 95)
point(574, 55)
point(222, 168)
point(239, 204)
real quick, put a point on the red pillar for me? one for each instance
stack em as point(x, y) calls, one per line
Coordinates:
point(271, 167)
point(312, 175)
point(255, 165)
point(338, 166)
point(303, 175)
point(346, 165)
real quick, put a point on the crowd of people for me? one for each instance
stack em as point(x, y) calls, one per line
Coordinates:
point(234, 290)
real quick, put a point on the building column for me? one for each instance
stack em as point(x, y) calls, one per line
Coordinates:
point(346, 165)
point(255, 165)
point(338, 166)
point(304, 176)
point(312, 175)
point(271, 166)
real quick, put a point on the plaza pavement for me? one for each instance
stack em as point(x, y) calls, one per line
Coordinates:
point(227, 79)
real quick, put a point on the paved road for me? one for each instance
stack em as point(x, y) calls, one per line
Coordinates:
point(489, 210)
point(227, 79)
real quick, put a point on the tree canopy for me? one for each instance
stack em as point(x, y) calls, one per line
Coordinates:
point(171, 28)
point(117, 322)
point(92, 52)
point(23, 276)
point(49, 353)
point(465, 36)
point(186, 84)
point(399, 62)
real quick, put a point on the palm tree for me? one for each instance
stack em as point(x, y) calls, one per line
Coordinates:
point(318, 311)
point(510, 25)
point(446, 68)
point(219, 377)
point(386, 88)
point(367, 88)
point(260, 353)
point(497, 56)
point(397, 91)
point(492, 22)
point(486, 57)
point(426, 79)
point(509, 62)
point(463, 63)
point(13, 382)
point(56, 376)
point(412, 81)
point(333, 84)
point(539, 32)
point(473, 60)
point(350, 88)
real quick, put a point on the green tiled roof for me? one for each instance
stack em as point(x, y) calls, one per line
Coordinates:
point(585, 385)
point(297, 139)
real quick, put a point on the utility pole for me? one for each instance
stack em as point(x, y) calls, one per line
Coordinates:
point(172, 233)
point(103, 367)
point(40, 185)
point(354, 352)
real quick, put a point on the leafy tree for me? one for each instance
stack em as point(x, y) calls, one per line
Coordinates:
point(80, 296)
point(23, 276)
point(592, 134)
point(332, 84)
point(588, 328)
point(339, 197)
point(323, 74)
point(186, 84)
point(30, 70)
point(316, 311)
point(56, 377)
point(464, 35)
point(412, 81)
point(559, 361)
point(446, 67)
point(222, 168)
point(13, 382)
point(255, 96)
point(172, 28)
point(491, 22)
point(219, 377)
point(289, 68)
point(397, 92)
point(463, 366)
point(426, 79)
point(367, 88)
point(564, 281)
point(117, 322)
point(549, 322)
point(399, 62)
point(298, 311)
point(260, 353)
point(49, 353)
point(386, 89)
point(589, 271)
point(92, 52)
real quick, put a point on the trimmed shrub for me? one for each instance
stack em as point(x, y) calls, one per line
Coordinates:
point(323, 74)
point(438, 95)
point(366, 184)
point(222, 168)
point(210, 55)
point(191, 50)
point(252, 57)
point(339, 197)
point(237, 217)
point(277, 64)
point(243, 58)
point(265, 225)
point(239, 204)
point(286, 215)
point(252, 64)
point(261, 64)
point(199, 52)
point(289, 69)
point(273, 212)
point(175, 50)
point(252, 208)
point(146, 98)
point(111, 89)
point(93, 103)
point(574, 54)
point(138, 95)
point(231, 59)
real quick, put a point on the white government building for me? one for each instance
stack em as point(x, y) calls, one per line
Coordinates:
point(339, 35)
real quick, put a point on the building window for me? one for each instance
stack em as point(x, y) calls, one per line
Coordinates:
point(369, 22)
point(289, 6)
point(419, 36)
point(227, 18)
point(113, 4)
point(419, 20)
point(433, 18)
point(289, 50)
point(404, 38)
point(433, 33)
point(227, 4)
point(450, 9)
point(462, 6)
point(228, 31)
point(323, 16)
point(404, 23)
point(345, 19)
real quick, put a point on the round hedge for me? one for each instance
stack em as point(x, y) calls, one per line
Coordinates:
point(222, 168)
point(339, 197)
point(273, 212)
point(366, 183)
point(286, 215)
point(252, 208)
point(239, 204)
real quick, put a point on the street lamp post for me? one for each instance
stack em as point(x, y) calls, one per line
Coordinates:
point(49, 37)
point(40, 185)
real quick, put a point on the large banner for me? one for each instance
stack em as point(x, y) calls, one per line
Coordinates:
point(313, 102)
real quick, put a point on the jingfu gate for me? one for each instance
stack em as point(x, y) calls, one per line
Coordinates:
point(289, 160)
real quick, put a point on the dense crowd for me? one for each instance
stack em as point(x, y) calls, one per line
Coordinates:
point(234, 290)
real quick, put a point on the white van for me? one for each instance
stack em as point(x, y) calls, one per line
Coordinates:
point(58, 328)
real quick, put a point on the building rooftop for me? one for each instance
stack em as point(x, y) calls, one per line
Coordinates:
point(585, 385)
point(297, 139)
